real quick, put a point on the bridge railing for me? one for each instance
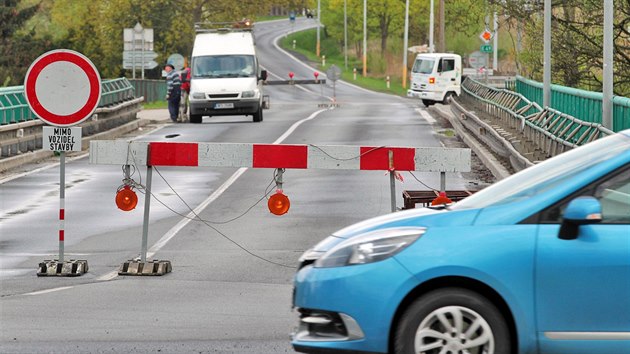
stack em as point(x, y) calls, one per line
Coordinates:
point(15, 109)
point(13, 106)
point(535, 132)
point(581, 104)
point(151, 90)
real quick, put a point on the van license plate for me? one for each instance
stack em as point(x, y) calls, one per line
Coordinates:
point(223, 105)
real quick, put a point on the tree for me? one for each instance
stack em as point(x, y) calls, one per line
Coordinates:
point(15, 48)
point(577, 41)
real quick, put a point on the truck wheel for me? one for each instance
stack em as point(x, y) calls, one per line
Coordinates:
point(448, 97)
point(451, 318)
point(427, 103)
point(195, 118)
point(258, 115)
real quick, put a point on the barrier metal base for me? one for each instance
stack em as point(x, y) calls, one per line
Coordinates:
point(411, 198)
point(71, 268)
point(137, 267)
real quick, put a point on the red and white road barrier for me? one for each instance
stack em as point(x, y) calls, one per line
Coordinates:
point(280, 156)
point(336, 157)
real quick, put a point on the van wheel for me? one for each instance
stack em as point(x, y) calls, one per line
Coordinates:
point(448, 97)
point(258, 115)
point(195, 118)
point(452, 320)
point(427, 103)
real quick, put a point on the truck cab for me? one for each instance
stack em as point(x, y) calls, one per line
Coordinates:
point(226, 78)
point(436, 77)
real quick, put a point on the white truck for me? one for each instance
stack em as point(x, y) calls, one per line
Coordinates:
point(226, 78)
point(436, 77)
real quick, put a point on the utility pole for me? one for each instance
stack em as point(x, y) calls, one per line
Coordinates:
point(547, 55)
point(495, 57)
point(607, 84)
point(405, 44)
point(318, 25)
point(431, 28)
point(442, 40)
point(345, 33)
point(364, 38)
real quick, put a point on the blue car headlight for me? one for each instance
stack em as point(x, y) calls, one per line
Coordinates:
point(370, 247)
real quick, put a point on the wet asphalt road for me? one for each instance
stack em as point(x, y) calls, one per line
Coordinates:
point(230, 289)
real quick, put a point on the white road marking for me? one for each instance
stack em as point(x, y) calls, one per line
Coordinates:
point(216, 194)
point(108, 276)
point(426, 115)
point(49, 290)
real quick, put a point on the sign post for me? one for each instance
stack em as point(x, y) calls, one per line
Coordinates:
point(63, 88)
point(138, 40)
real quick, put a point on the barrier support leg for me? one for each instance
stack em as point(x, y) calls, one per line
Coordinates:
point(142, 266)
point(392, 180)
point(147, 207)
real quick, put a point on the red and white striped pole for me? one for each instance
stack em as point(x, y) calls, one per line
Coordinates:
point(62, 203)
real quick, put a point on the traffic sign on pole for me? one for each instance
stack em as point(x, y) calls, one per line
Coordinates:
point(62, 87)
point(486, 35)
point(147, 64)
point(139, 55)
point(486, 48)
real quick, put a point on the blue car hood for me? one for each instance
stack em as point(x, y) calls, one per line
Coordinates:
point(422, 217)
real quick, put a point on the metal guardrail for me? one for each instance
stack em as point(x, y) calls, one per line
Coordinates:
point(13, 106)
point(582, 104)
point(503, 117)
point(15, 109)
point(116, 91)
point(151, 90)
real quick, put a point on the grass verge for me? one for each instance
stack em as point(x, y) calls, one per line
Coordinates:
point(306, 41)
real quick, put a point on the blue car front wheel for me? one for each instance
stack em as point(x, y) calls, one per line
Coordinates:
point(453, 321)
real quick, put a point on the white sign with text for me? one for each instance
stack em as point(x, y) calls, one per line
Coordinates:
point(62, 139)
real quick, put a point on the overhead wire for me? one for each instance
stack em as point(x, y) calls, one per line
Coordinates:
point(141, 188)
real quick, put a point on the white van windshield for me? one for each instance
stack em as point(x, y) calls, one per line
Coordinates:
point(548, 174)
point(221, 66)
point(423, 66)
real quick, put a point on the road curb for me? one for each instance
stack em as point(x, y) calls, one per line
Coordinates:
point(34, 156)
point(486, 157)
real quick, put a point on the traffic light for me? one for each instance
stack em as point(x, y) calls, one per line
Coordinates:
point(278, 203)
point(126, 198)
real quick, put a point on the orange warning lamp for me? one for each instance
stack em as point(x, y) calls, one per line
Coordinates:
point(486, 35)
point(126, 199)
point(431, 80)
point(278, 203)
point(441, 199)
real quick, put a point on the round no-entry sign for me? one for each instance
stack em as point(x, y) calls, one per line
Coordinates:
point(62, 87)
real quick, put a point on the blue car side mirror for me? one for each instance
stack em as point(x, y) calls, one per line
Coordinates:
point(580, 211)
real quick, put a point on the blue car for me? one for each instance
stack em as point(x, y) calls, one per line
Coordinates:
point(536, 263)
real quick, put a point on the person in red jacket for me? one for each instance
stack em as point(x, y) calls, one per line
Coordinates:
point(185, 76)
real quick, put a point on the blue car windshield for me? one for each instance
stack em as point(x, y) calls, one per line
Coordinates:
point(548, 174)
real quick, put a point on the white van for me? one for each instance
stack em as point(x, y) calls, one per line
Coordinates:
point(435, 77)
point(226, 78)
